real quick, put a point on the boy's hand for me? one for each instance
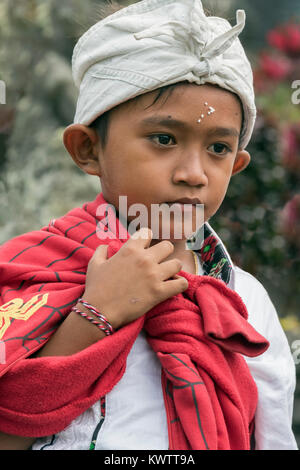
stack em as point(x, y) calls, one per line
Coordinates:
point(134, 280)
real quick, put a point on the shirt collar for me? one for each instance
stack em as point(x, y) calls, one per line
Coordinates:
point(215, 259)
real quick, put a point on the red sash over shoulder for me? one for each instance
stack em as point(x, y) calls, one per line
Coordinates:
point(199, 336)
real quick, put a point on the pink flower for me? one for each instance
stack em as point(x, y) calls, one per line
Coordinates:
point(276, 40)
point(275, 68)
point(286, 38)
point(292, 38)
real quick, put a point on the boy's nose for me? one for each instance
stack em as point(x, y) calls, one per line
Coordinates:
point(190, 170)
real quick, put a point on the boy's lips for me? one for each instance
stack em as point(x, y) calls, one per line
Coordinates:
point(185, 200)
point(187, 205)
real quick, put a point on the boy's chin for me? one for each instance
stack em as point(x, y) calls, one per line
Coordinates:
point(177, 230)
point(179, 235)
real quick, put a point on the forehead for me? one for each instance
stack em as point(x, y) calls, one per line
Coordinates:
point(186, 100)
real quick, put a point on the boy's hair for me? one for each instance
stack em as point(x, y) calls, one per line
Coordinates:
point(101, 124)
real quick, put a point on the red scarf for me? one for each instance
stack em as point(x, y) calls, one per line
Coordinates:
point(199, 337)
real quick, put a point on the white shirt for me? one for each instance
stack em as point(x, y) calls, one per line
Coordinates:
point(135, 417)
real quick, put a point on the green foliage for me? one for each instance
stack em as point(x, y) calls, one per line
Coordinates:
point(38, 181)
point(262, 210)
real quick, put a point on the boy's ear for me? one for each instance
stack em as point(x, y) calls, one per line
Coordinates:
point(82, 143)
point(242, 160)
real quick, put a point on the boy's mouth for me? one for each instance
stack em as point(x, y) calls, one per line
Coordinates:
point(185, 200)
point(187, 205)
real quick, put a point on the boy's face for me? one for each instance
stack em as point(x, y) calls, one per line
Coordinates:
point(185, 146)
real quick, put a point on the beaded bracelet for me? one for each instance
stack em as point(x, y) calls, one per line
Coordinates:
point(100, 325)
point(97, 314)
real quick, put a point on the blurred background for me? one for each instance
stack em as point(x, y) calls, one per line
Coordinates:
point(260, 217)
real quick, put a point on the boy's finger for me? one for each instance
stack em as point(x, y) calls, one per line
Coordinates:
point(101, 253)
point(176, 285)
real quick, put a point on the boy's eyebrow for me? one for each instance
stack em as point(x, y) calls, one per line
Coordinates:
point(175, 123)
point(223, 132)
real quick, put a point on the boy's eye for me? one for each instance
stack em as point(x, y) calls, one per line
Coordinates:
point(163, 139)
point(220, 149)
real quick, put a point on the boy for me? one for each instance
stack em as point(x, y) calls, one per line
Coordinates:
point(167, 358)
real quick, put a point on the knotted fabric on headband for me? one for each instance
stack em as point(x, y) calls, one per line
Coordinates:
point(154, 43)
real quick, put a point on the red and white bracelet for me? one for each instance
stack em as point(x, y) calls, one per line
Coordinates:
point(103, 324)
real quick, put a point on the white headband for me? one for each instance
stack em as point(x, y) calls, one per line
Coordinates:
point(154, 43)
